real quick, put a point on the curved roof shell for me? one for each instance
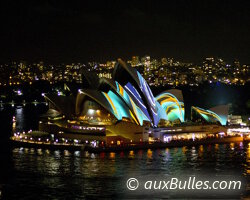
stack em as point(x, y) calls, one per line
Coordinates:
point(173, 106)
point(208, 115)
point(137, 87)
point(108, 100)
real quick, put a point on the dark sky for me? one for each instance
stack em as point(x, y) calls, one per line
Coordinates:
point(80, 31)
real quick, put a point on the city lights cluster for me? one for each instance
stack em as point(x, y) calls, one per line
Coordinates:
point(164, 71)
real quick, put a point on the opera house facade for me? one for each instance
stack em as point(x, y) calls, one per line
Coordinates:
point(119, 110)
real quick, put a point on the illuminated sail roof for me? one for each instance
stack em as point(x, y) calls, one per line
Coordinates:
point(173, 106)
point(133, 105)
point(108, 100)
point(210, 116)
point(136, 86)
point(92, 94)
point(222, 111)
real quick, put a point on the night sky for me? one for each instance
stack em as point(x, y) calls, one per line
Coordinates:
point(80, 31)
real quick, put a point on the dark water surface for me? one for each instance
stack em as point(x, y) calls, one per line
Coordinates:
point(27, 173)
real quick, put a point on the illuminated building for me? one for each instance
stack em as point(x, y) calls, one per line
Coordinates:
point(135, 61)
point(145, 61)
point(122, 107)
point(234, 120)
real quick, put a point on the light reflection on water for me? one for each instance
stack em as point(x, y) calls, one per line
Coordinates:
point(248, 159)
point(88, 173)
point(169, 160)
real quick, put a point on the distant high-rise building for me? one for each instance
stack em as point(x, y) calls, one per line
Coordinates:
point(146, 61)
point(164, 61)
point(236, 63)
point(135, 61)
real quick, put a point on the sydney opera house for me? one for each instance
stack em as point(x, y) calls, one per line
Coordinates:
point(123, 110)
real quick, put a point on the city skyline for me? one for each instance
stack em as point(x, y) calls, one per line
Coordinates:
point(158, 72)
point(129, 58)
point(83, 31)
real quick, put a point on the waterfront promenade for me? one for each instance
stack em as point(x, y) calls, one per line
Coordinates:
point(128, 147)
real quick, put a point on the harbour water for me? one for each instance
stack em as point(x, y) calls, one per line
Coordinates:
point(27, 173)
